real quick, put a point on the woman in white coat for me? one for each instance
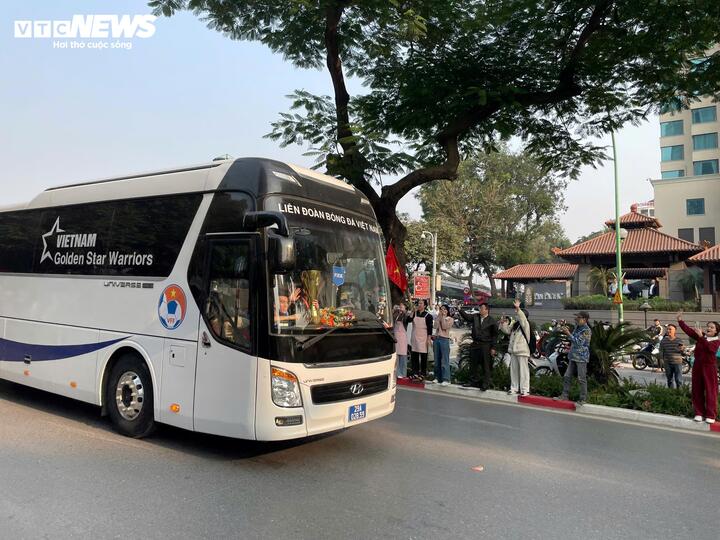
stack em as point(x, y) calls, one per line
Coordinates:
point(519, 350)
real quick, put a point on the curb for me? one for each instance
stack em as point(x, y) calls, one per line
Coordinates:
point(542, 401)
point(600, 411)
point(411, 384)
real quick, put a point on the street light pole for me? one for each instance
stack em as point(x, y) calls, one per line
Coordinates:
point(645, 306)
point(433, 292)
point(618, 256)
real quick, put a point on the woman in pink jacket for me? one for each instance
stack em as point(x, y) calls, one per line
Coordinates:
point(704, 370)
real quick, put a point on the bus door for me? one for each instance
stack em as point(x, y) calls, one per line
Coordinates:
point(226, 363)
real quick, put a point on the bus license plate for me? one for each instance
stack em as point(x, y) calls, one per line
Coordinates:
point(357, 412)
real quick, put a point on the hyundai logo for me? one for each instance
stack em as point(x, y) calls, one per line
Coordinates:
point(356, 389)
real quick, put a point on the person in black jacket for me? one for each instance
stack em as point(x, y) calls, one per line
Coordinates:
point(482, 350)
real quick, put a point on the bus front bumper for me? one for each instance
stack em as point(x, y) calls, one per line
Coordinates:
point(317, 418)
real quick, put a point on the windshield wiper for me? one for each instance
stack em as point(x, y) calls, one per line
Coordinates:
point(313, 340)
point(382, 326)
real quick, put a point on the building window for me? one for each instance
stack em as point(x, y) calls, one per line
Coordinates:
point(687, 235)
point(672, 153)
point(708, 166)
point(673, 174)
point(669, 129)
point(706, 141)
point(695, 207)
point(706, 234)
point(704, 114)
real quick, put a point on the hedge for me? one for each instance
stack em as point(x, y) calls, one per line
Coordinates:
point(598, 301)
point(628, 394)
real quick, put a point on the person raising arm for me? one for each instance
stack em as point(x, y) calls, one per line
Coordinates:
point(704, 371)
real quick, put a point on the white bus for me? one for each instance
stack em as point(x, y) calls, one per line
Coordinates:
point(244, 298)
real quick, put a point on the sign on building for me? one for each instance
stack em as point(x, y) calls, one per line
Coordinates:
point(549, 294)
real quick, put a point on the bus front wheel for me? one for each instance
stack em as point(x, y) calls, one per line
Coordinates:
point(129, 397)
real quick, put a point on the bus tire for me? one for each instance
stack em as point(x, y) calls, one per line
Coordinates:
point(129, 396)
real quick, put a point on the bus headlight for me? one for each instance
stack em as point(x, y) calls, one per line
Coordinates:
point(285, 389)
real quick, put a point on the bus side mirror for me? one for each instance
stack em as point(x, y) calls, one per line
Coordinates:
point(281, 253)
point(252, 221)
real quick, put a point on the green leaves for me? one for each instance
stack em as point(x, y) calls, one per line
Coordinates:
point(503, 205)
point(315, 126)
point(609, 342)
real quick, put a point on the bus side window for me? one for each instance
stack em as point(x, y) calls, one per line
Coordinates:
point(228, 308)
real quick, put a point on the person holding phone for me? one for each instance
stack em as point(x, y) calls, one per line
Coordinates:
point(484, 335)
point(441, 345)
point(579, 355)
point(519, 349)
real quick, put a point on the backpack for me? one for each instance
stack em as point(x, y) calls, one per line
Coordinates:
point(532, 342)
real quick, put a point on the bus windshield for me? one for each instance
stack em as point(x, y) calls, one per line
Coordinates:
point(339, 281)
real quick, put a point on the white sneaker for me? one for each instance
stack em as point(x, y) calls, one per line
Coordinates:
point(710, 420)
point(445, 383)
point(698, 418)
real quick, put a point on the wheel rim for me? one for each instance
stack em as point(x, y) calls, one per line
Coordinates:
point(130, 395)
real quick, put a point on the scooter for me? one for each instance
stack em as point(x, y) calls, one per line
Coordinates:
point(556, 362)
point(647, 354)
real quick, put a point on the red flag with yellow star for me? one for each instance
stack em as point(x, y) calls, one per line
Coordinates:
point(396, 273)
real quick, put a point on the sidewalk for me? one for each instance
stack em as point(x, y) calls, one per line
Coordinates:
point(617, 413)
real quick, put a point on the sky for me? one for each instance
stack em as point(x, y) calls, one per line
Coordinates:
point(186, 95)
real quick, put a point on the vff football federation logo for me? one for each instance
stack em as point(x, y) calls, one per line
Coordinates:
point(172, 307)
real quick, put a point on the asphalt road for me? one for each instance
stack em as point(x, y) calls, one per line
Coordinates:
point(65, 474)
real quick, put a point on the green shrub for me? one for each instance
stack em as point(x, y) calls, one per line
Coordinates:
point(652, 398)
point(605, 346)
point(497, 302)
point(595, 301)
point(501, 376)
point(598, 301)
point(552, 386)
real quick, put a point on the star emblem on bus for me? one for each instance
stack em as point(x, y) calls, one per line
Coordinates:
point(55, 229)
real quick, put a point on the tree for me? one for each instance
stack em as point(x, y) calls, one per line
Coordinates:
point(418, 250)
point(692, 283)
point(504, 205)
point(599, 277)
point(590, 236)
point(549, 235)
point(443, 77)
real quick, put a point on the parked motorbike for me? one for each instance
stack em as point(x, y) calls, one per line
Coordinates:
point(646, 354)
point(458, 321)
point(556, 362)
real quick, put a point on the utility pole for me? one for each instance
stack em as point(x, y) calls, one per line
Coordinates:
point(433, 292)
point(618, 239)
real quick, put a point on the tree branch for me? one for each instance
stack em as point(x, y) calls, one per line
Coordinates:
point(351, 164)
point(566, 88)
point(418, 177)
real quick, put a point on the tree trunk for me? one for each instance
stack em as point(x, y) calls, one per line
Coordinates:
point(493, 288)
point(394, 232)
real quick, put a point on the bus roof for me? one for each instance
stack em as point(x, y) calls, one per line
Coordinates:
point(257, 176)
